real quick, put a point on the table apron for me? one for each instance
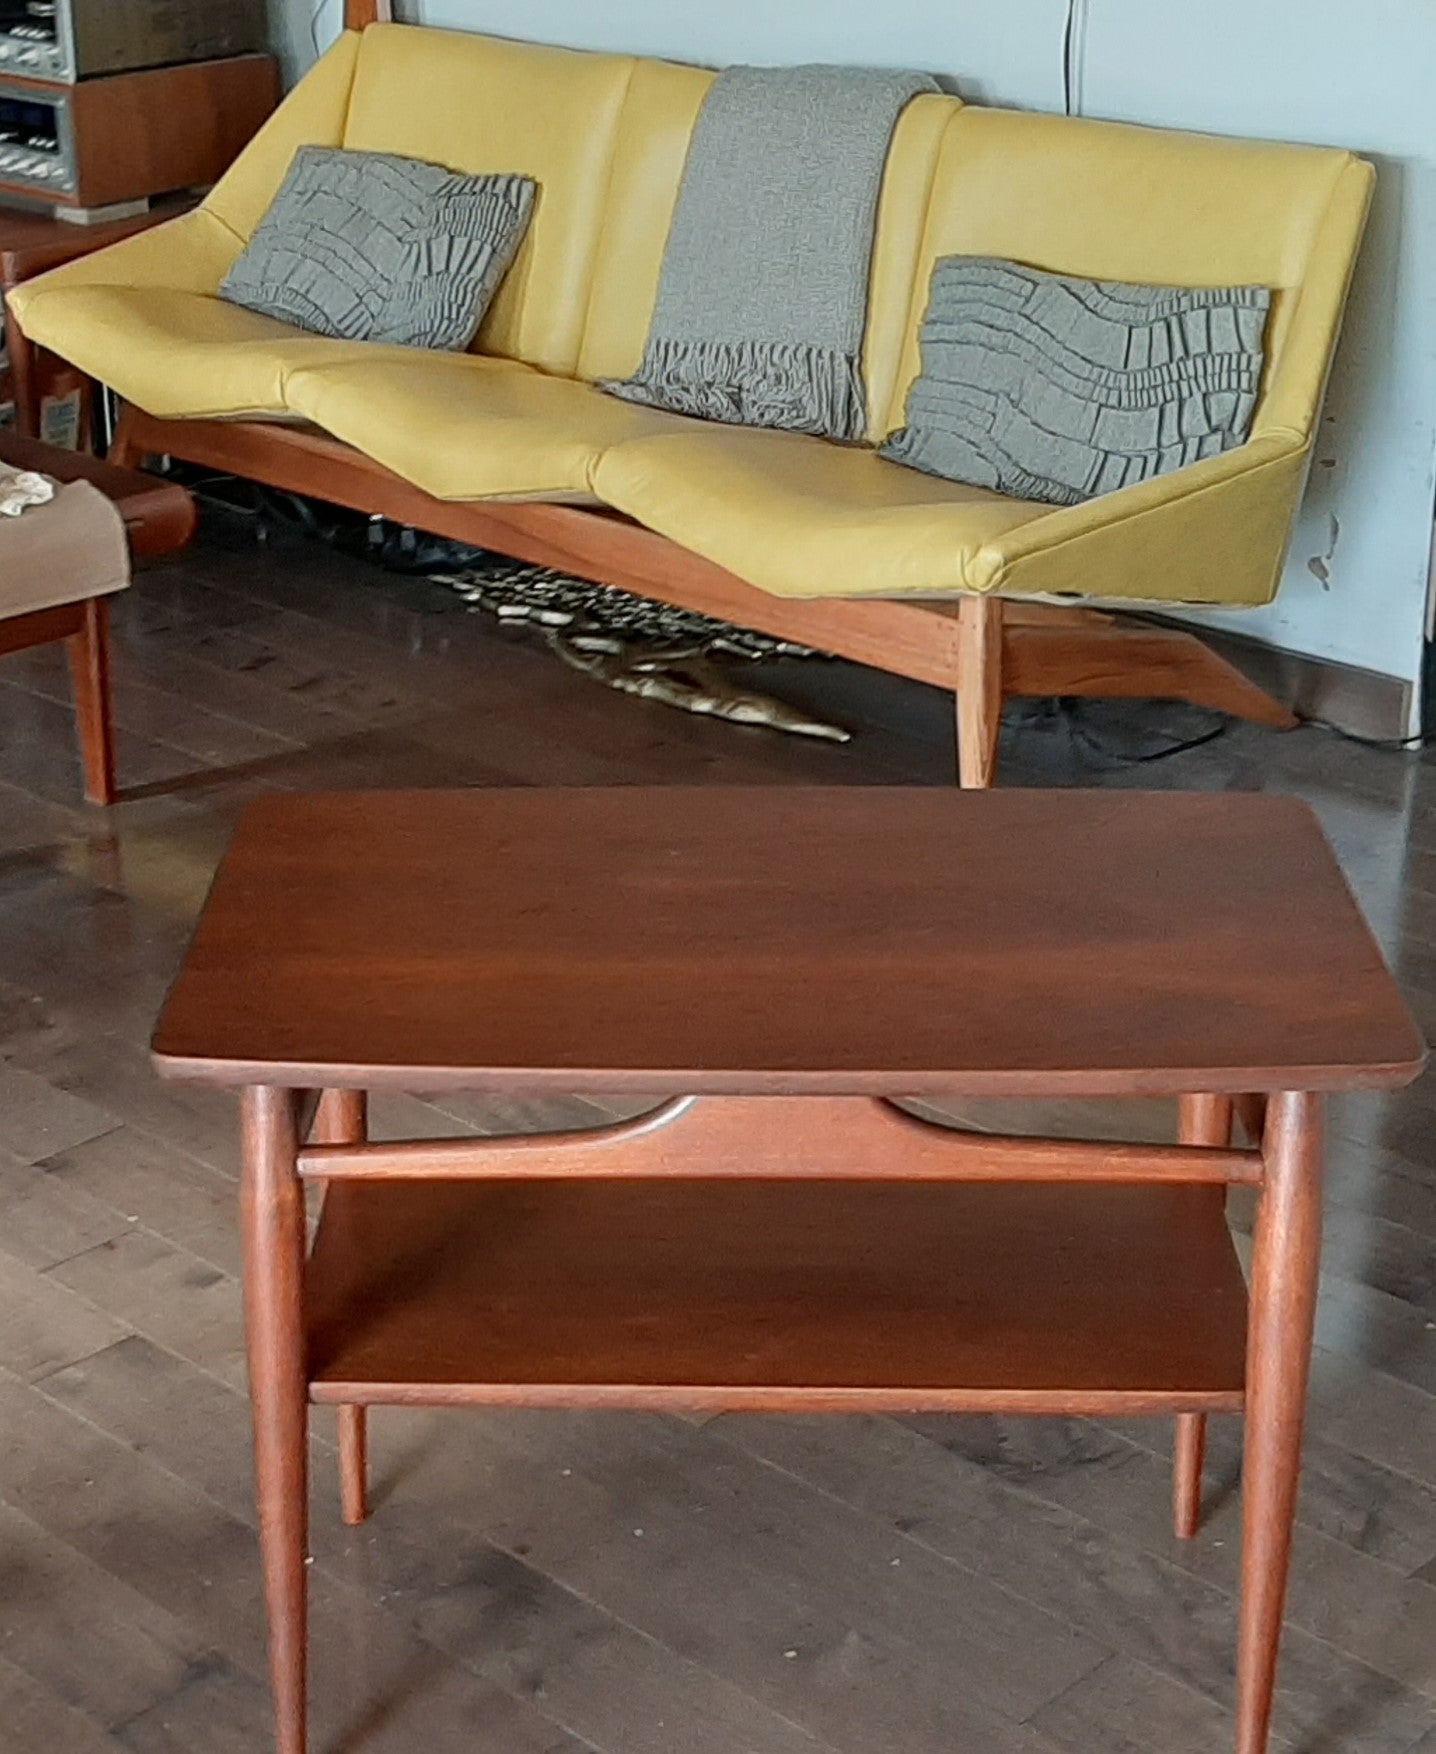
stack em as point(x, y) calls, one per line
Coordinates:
point(782, 1138)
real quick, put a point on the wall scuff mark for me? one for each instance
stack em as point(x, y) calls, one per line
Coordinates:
point(1319, 566)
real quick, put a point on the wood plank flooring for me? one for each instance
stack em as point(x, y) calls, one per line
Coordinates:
point(606, 1583)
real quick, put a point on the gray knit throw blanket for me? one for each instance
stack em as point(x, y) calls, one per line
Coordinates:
point(762, 301)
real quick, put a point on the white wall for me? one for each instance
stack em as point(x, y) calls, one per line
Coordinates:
point(1006, 51)
point(296, 26)
point(1358, 73)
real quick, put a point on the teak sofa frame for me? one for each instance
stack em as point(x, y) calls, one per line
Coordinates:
point(983, 649)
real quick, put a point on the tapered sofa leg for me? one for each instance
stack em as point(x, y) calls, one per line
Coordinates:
point(979, 690)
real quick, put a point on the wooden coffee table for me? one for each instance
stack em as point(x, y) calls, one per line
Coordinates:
point(778, 967)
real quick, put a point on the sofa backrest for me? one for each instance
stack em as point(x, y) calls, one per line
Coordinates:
point(479, 104)
point(658, 119)
point(1118, 202)
point(313, 114)
point(606, 136)
point(662, 107)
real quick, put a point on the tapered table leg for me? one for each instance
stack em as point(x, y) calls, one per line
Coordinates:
point(1285, 1261)
point(272, 1223)
point(353, 1464)
point(1189, 1457)
point(1204, 1120)
point(343, 1119)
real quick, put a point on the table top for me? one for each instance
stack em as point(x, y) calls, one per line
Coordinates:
point(159, 515)
point(858, 940)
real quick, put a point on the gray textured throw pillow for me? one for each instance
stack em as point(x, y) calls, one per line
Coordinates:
point(368, 246)
point(1056, 389)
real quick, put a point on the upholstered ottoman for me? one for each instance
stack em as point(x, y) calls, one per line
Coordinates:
point(61, 562)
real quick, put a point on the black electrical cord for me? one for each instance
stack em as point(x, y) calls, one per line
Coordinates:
point(1069, 59)
point(1069, 711)
point(1391, 745)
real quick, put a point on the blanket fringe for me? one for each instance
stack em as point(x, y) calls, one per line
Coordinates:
point(788, 384)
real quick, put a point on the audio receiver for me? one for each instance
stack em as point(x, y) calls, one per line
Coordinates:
point(68, 40)
point(103, 142)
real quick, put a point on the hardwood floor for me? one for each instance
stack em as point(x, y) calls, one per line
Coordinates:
point(618, 1584)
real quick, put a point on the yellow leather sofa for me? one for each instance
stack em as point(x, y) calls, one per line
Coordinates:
point(604, 136)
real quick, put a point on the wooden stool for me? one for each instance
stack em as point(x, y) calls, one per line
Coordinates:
point(60, 564)
point(778, 1235)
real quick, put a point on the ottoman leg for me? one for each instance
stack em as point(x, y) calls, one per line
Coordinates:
point(343, 1119)
point(89, 655)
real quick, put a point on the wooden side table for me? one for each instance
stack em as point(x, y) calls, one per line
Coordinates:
point(783, 965)
point(33, 244)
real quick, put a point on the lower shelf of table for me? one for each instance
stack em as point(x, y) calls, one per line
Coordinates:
point(750, 1295)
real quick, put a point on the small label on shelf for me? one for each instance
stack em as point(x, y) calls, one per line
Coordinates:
point(60, 420)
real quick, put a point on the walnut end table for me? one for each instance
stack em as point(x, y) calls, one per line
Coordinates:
point(781, 967)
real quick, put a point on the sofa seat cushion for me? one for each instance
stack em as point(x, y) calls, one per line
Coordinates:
point(177, 355)
point(802, 517)
point(464, 426)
